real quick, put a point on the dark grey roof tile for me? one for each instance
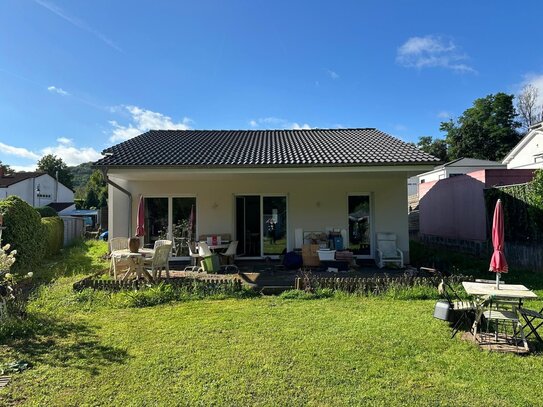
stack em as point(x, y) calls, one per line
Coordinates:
point(267, 148)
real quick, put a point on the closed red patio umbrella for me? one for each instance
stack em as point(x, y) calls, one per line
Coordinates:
point(498, 264)
point(140, 225)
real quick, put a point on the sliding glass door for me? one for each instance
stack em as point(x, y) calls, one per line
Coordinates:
point(261, 225)
point(274, 218)
point(359, 225)
point(172, 218)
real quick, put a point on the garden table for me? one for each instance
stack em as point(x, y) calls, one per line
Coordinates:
point(135, 261)
point(517, 292)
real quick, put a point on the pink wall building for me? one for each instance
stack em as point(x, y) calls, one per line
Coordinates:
point(454, 208)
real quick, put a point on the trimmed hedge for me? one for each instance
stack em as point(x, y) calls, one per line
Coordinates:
point(53, 232)
point(24, 232)
point(522, 207)
point(46, 212)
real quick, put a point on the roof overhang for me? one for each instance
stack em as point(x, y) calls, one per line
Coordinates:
point(163, 172)
point(536, 129)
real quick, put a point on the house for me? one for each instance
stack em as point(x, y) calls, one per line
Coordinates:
point(268, 189)
point(528, 153)
point(450, 169)
point(37, 189)
point(456, 167)
point(452, 211)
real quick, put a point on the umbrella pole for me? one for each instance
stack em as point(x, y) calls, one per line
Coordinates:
point(497, 281)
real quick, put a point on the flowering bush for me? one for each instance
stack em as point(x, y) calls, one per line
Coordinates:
point(6, 260)
point(7, 281)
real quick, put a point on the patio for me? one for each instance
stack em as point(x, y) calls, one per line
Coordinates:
point(270, 277)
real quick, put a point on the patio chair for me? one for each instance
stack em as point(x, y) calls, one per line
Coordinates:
point(466, 309)
point(159, 243)
point(117, 243)
point(160, 260)
point(204, 250)
point(387, 250)
point(529, 317)
point(500, 317)
point(212, 265)
point(230, 252)
point(194, 257)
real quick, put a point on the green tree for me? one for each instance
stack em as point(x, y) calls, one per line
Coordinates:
point(436, 147)
point(91, 200)
point(96, 191)
point(487, 130)
point(6, 168)
point(51, 164)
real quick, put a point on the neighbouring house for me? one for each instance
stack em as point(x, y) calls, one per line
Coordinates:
point(456, 167)
point(37, 189)
point(452, 211)
point(528, 153)
point(268, 189)
point(450, 169)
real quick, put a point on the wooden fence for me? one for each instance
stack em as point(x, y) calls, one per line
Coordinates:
point(528, 256)
point(115, 285)
point(371, 284)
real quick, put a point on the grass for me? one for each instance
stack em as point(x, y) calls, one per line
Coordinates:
point(296, 349)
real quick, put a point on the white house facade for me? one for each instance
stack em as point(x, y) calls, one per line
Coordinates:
point(528, 153)
point(266, 189)
point(36, 188)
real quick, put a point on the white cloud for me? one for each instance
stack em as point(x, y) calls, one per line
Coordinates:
point(24, 168)
point(18, 152)
point(65, 141)
point(60, 91)
point(143, 120)
point(444, 115)
point(431, 52)
point(76, 22)
point(296, 126)
point(332, 74)
point(278, 123)
point(65, 149)
point(400, 127)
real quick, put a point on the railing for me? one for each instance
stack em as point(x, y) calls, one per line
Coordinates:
point(116, 285)
point(371, 284)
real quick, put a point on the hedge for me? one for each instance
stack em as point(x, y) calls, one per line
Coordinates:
point(53, 232)
point(523, 209)
point(46, 212)
point(24, 232)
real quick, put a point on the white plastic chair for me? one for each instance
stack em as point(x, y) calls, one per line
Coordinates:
point(387, 250)
point(160, 260)
point(204, 250)
point(117, 243)
point(195, 257)
point(230, 252)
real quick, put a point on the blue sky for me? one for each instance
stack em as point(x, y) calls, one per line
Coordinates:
point(77, 76)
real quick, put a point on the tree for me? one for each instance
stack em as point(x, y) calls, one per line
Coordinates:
point(51, 164)
point(436, 147)
point(487, 130)
point(6, 168)
point(96, 191)
point(529, 109)
point(91, 200)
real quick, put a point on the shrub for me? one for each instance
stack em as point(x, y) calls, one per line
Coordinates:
point(47, 212)
point(53, 231)
point(24, 232)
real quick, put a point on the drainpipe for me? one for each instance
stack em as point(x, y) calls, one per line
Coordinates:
point(127, 193)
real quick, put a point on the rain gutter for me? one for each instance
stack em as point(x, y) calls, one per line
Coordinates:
point(127, 193)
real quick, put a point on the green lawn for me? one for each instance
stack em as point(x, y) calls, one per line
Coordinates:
point(261, 351)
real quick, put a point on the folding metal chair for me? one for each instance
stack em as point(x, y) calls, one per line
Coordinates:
point(457, 306)
point(529, 317)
